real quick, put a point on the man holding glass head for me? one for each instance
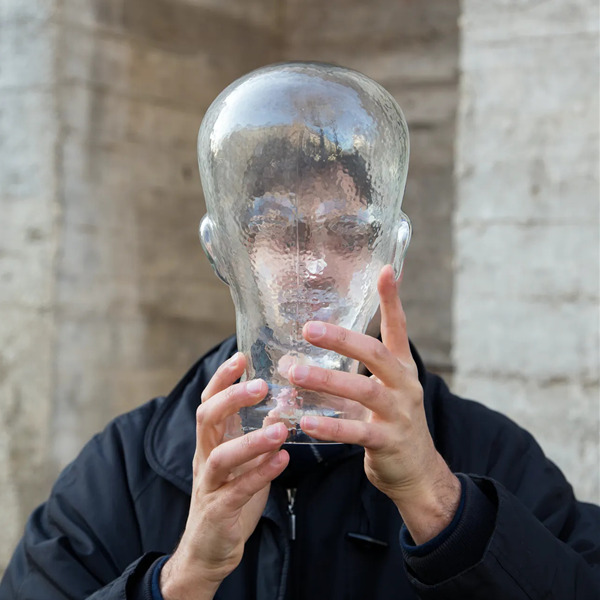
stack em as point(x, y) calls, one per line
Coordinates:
point(421, 494)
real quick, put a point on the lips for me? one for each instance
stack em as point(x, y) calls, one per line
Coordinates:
point(309, 297)
point(310, 304)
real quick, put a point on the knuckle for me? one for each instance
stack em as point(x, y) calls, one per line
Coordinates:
point(342, 335)
point(228, 500)
point(214, 461)
point(200, 414)
point(247, 441)
point(326, 377)
point(230, 393)
point(338, 428)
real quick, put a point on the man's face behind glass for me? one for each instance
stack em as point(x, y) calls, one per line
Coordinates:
point(309, 246)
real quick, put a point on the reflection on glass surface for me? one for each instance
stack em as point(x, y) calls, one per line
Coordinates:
point(303, 167)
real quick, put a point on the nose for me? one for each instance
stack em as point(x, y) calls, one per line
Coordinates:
point(316, 266)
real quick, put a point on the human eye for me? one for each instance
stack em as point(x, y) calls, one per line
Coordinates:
point(352, 233)
point(269, 224)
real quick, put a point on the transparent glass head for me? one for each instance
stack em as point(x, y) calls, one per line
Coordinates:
point(303, 167)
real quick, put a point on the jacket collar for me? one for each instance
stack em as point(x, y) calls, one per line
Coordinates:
point(170, 439)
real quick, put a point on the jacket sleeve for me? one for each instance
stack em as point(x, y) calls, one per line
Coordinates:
point(540, 543)
point(84, 541)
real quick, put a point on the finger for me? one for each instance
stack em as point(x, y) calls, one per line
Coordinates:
point(229, 457)
point(364, 390)
point(227, 374)
point(393, 319)
point(240, 491)
point(229, 401)
point(211, 417)
point(376, 357)
point(368, 435)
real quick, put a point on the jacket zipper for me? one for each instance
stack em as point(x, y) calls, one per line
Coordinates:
point(291, 495)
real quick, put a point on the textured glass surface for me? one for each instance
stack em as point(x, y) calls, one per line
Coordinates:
point(303, 167)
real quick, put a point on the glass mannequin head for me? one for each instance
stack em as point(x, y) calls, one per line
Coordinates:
point(303, 167)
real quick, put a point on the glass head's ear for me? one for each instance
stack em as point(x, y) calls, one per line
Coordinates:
point(208, 241)
point(401, 244)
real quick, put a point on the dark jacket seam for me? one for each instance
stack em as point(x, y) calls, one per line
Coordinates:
point(140, 492)
point(512, 577)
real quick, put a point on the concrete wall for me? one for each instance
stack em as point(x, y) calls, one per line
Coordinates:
point(29, 134)
point(105, 297)
point(137, 300)
point(411, 48)
point(526, 304)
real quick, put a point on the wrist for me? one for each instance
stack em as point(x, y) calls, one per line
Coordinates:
point(180, 582)
point(430, 509)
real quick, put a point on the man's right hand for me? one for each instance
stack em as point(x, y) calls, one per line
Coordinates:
point(230, 489)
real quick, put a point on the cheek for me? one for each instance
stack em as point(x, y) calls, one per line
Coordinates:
point(262, 263)
point(273, 267)
point(353, 272)
point(346, 260)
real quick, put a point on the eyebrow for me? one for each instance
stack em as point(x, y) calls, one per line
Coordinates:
point(262, 204)
point(286, 208)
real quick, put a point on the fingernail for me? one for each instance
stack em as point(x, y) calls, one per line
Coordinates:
point(309, 423)
point(315, 330)
point(300, 372)
point(273, 432)
point(254, 387)
point(234, 360)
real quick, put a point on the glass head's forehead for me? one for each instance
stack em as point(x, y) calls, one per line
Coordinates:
point(293, 100)
point(277, 128)
point(312, 178)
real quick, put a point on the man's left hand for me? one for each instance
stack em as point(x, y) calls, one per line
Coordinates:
point(400, 457)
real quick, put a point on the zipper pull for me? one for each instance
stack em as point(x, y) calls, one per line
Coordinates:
point(291, 494)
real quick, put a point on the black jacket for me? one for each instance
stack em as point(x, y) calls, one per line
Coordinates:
point(123, 503)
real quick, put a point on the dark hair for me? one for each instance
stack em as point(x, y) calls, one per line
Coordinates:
point(283, 157)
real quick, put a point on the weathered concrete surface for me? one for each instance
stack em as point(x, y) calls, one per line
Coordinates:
point(137, 302)
point(411, 48)
point(526, 331)
point(106, 297)
point(28, 245)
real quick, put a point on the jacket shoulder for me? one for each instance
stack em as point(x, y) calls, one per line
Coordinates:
point(471, 436)
point(103, 483)
point(479, 441)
